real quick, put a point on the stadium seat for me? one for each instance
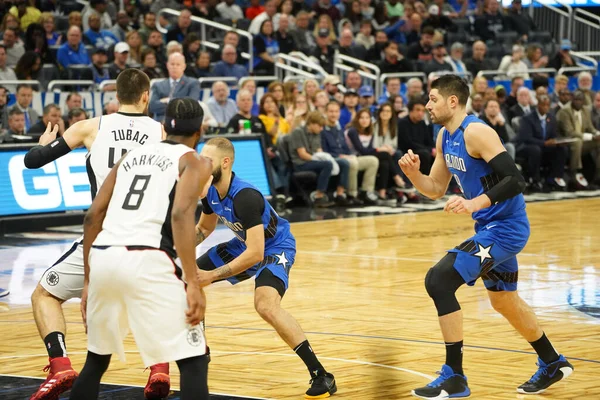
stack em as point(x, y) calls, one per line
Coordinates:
point(459, 36)
point(61, 23)
point(542, 37)
point(509, 37)
point(243, 24)
point(463, 24)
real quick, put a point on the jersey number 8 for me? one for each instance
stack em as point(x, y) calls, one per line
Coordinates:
point(136, 193)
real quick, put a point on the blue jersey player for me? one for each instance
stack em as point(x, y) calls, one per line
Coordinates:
point(472, 153)
point(263, 247)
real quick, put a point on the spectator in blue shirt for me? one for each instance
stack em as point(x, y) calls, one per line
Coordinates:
point(99, 38)
point(73, 52)
point(350, 107)
point(228, 66)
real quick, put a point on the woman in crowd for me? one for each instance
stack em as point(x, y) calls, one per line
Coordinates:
point(149, 65)
point(278, 92)
point(309, 88)
point(134, 40)
point(266, 48)
point(324, 22)
point(286, 7)
point(202, 67)
point(319, 101)
point(361, 136)
point(298, 112)
point(399, 107)
point(269, 114)
point(53, 38)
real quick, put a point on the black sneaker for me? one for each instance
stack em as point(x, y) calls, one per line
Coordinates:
point(546, 376)
point(321, 387)
point(322, 202)
point(448, 386)
point(341, 201)
point(354, 201)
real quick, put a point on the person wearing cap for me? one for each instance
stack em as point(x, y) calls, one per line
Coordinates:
point(457, 51)
point(348, 112)
point(394, 61)
point(490, 22)
point(324, 52)
point(438, 21)
point(367, 98)
point(120, 61)
point(438, 63)
point(421, 50)
point(99, 71)
point(100, 7)
point(99, 38)
point(519, 20)
point(563, 57)
point(73, 51)
point(513, 65)
point(331, 85)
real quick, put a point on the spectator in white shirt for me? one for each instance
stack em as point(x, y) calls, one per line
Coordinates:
point(220, 105)
point(229, 10)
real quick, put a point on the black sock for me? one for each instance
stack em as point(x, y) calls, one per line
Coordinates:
point(194, 376)
point(454, 356)
point(544, 349)
point(87, 385)
point(55, 344)
point(306, 353)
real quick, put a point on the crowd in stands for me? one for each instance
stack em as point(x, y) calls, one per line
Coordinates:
point(333, 127)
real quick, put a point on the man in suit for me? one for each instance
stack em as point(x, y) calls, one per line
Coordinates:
point(596, 111)
point(523, 106)
point(24, 97)
point(176, 86)
point(575, 121)
point(536, 143)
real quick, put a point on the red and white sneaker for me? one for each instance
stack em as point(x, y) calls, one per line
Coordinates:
point(159, 382)
point(59, 380)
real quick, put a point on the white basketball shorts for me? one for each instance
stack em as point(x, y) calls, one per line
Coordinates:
point(64, 279)
point(138, 290)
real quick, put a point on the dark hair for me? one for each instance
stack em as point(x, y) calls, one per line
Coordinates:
point(131, 84)
point(428, 30)
point(413, 102)
point(263, 100)
point(452, 85)
point(23, 86)
point(15, 111)
point(538, 81)
point(335, 103)
point(183, 117)
point(76, 112)
point(489, 101)
point(260, 31)
point(70, 95)
point(24, 68)
point(30, 41)
point(393, 123)
point(515, 78)
point(145, 52)
point(50, 107)
point(356, 125)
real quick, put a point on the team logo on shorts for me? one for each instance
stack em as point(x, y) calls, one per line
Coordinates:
point(194, 337)
point(52, 278)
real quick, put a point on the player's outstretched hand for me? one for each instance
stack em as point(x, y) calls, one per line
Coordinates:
point(459, 205)
point(49, 135)
point(410, 163)
point(196, 305)
point(83, 305)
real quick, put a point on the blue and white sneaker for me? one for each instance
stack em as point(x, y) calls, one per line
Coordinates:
point(546, 376)
point(448, 386)
point(4, 292)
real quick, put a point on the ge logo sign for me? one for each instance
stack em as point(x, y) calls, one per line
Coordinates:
point(62, 184)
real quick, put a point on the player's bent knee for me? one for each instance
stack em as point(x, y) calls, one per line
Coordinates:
point(441, 282)
point(503, 302)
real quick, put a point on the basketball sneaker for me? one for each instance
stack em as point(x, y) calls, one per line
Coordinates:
point(449, 385)
point(546, 375)
point(159, 382)
point(60, 379)
point(321, 387)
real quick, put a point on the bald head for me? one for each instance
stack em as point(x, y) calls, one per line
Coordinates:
point(176, 65)
point(74, 36)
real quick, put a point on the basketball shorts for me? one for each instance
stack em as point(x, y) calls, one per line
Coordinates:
point(277, 261)
point(138, 290)
point(491, 254)
point(64, 279)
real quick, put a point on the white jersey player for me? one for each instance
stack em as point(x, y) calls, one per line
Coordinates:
point(143, 212)
point(107, 139)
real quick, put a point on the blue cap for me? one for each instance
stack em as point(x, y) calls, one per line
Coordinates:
point(565, 44)
point(365, 91)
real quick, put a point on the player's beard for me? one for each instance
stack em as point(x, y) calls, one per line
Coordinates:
point(217, 174)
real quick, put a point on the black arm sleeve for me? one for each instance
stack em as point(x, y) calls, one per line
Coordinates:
point(511, 181)
point(248, 206)
point(206, 209)
point(39, 156)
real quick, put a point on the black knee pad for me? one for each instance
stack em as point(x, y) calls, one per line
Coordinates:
point(441, 282)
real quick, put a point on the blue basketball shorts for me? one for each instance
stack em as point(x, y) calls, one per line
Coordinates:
point(491, 254)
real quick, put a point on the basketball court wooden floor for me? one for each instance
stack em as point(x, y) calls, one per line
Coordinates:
point(357, 290)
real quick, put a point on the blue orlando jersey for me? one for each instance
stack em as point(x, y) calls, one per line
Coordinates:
point(475, 176)
point(277, 229)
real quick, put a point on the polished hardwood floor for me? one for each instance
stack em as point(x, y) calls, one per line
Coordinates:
point(357, 290)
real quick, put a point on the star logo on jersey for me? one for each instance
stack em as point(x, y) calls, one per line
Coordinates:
point(483, 253)
point(282, 260)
